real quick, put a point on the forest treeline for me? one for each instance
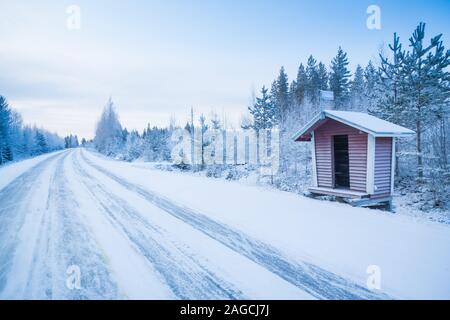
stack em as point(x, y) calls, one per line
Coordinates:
point(19, 141)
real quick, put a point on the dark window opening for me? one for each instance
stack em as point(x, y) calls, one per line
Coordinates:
point(341, 162)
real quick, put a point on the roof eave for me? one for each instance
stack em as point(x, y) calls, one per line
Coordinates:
point(394, 134)
point(306, 127)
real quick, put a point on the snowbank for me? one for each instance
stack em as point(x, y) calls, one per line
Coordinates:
point(11, 171)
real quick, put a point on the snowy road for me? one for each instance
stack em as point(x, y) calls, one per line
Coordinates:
point(132, 242)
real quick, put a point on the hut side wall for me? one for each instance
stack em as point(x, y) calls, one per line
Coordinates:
point(383, 167)
point(357, 145)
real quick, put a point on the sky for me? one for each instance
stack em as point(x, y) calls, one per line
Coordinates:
point(157, 59)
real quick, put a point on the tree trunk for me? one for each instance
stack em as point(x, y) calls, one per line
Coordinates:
point(419, 149)
point(444, 160)
point(203, 149)
point(282, 150)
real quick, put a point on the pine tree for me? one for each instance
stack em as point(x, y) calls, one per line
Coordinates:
point(322, 76)
point(5, 143)
point(300, 85)
point(313, 84)
point(414, 87)
point(27, 140)
point(76, 144)
point(133, 146)
point(40, 143)
point(280, 96)
point(339, 79)
point(263, 112)
point(156, 144)
point(371, 83)
point(16, 134)
point(357, 90)
point(292, 100)
point(425, 68)
point(188, 127)
point(280, 99)
point(7, 154)
point(391, 103)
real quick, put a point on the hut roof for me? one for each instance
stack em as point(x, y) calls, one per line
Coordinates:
point(358, 120)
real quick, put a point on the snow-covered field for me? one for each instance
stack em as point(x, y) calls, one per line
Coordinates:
point(140, 233)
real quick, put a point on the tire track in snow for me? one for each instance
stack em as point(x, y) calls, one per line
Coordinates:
point(56, 239)
point(40, 282)
point(70, 244)
point(14, 211)
point(314, 280)
point(186, 276)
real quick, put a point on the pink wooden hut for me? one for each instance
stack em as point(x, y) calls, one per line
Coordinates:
point(353, 156)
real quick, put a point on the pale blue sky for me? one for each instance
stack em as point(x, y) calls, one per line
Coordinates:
point(158, 58)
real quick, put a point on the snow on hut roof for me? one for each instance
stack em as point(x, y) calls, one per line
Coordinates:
point(358, 120)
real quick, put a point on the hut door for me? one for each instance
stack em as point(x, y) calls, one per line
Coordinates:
point(341, 162)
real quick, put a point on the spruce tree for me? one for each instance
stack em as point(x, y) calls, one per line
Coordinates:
point(263, 112)
point(357, 90)
point(339, 79)
point(280, 99)
point(5, 147)
point(7, 154)
point(280, 96)
point(371, 83)
point(40, 143)
point(313, 82)
point(323, 76)
point(300, 85)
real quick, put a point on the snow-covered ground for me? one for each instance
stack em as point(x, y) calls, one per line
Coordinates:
point(12, 170)
point(141, 233)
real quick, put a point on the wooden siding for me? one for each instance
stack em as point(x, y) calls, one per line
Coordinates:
point(357, 145)
point(383, 167)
